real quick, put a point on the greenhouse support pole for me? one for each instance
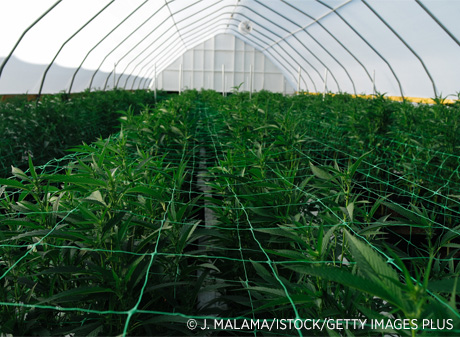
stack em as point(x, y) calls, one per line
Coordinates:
point(250, 81)
point(223, 80)
point(373, 84)
point(284, 86)
point(180, 78)
point(155, 88)
point(325, 83)
point(298, 80)
point(114, 75)
point(42, 82)
point(22, 36)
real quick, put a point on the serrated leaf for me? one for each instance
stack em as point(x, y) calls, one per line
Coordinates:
point(13, 183)
point(343, 276)
point(262, 272)
point(372, 265)
point(403, 212)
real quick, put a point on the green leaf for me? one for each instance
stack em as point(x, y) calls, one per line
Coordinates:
point(32, 171)
point(73, 179)
point(352, 169)
point(96, 196)
point(14, 183)
point(450, 235)
point(185, 235)
point(446, 285)
point(132, 268)
point(373, 266)
point(19, 173)
point(177, 131)
point(325, 240)
point(403, 212)
point(345, 277)
point(273, 291)
point(145, 190)
point(320, 173)
point(350, 209)
point(21, 222)
point(283, 303)
point(209, 266)
point(262, 272)
point(75, 295)
point(290, 254)
point(51, 234)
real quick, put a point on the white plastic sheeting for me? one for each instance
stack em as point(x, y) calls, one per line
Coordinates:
point(410, 47)
point(244, 68)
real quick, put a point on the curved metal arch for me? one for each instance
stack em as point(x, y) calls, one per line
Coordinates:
point(233, 27)
point(295, 51)
point(63, 45)
point(137, 44)
point(129, 51)
point(406, 44)
point(220, 9)
point(97, 44)
point(174, 21)
point(264, 50)
point(319, 44)
point(129, 63)
point(126, 81)
point(438, 22)
point(369, 45)
point(5, 61)
point(140, 62)
point(173, 42)
point(225, 26)
point(164, 58)
point(300, 55)
point(259, 45)
point(335, 38)
point(192, 32)
point(273, 57)
point(118, 45)
point(148, 72)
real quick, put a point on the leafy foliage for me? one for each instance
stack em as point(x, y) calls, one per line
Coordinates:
point(269, 207)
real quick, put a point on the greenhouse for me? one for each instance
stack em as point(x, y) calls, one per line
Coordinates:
point(229, 168)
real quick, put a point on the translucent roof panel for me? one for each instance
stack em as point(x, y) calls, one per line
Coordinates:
point(395, 47)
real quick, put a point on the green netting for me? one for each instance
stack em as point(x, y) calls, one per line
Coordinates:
point(232, 210)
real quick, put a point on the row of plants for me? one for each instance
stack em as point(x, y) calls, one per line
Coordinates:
point(313, 224)
point(297, 220)
point(101, 246)
point(45, 129)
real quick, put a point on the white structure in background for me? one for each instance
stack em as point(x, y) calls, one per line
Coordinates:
point(202, 68)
